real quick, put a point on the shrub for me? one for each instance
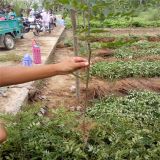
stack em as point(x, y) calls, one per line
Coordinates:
point(130, 125)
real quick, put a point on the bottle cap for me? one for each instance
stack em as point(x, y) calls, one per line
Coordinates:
point(36, 46)
point(27, 57)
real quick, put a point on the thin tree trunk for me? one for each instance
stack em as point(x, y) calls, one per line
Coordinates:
point(77, 20)
point(84, 24)
point(75, 39)
point(103, 25)
point(156, 21)
point(87, 81)
point(131, 25)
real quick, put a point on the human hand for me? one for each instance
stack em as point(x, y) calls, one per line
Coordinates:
point(3, 134)
point(72, 64)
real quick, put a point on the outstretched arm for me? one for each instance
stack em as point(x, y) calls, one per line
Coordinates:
point(11, 75)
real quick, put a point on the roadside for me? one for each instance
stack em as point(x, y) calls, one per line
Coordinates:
point(12, 99)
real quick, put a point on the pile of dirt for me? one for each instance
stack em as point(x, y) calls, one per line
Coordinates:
point(141, 39)
point(99, 88)
point(107, 40)
point(127, 39)
point(104, 52)
point(154, 39)
point(150, 58)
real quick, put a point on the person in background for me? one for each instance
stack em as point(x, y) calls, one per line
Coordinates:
point(32, 13)
point(10, 75)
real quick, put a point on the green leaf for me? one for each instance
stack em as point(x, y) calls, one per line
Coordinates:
point(118, 43)
point(63, 1)
point(56, 4)
point(82, 31)
point(85, 8)
point(69, 6)
point(75, 3)
point(98, 31)
point(77, 76)
point(128, 14)
point(110, 15)
point(81, 5)
point(65, 41)
point(117, 14)
point(91, 17)
point(101, 5)
point(17, 10)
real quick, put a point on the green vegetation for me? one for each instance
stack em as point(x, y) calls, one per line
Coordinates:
point(130, 125)
point(124, 69)
point(116, 23)
point(10, 57)
point(117, 128)
point(113, 128)
point(150, 15)
point(138, 49)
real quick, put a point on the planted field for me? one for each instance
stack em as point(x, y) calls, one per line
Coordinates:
point(125, 69)
point(122, 119)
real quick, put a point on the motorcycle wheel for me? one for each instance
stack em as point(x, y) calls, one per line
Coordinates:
point(51, 26)
point(36, 32)
point(49, 30)
point(27, 29)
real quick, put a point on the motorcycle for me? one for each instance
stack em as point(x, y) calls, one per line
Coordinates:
point(37, 24)
point(29, 24)
point(41, 27)
point(53, 20)
point(38, 15)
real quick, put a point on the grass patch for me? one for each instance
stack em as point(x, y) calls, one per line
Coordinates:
point(10, 57)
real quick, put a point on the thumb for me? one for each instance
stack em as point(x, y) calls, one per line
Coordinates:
point(81, 64)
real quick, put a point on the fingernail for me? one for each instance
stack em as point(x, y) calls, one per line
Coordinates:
point(86, 63)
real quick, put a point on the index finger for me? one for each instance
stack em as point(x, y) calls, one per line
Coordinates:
point(80, 59)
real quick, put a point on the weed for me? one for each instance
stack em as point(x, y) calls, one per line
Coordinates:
point(10, 57)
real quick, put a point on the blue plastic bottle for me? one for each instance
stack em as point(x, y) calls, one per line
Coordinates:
point(27, 60)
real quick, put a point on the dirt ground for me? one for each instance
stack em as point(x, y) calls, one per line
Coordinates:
point(58, 91)
point(138, 31)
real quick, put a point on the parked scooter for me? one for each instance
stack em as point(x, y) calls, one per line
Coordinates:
point(29, 24)
point(38, 15)
point(43, 25)
point(53, 21)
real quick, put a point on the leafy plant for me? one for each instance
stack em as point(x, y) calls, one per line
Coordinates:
point(124, 69)
point(130, 125)
point(138, 49)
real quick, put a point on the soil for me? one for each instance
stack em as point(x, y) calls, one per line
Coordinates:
point(138, 31)
point(58, 91)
